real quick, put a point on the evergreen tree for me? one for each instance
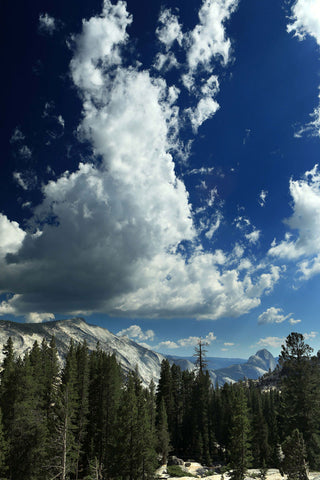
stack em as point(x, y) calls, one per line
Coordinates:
point(240, 454)
point(294, 463)
point(300, 393)
point(104, 398)
point(163, 433)
point(63, 446)
point(3, 452)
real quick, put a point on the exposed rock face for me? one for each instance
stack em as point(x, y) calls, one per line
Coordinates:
point(129, 354)
point(256, 366)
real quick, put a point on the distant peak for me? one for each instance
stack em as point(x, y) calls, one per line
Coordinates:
point(264, 353)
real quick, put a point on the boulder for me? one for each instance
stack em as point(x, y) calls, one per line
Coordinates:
point(175, 461)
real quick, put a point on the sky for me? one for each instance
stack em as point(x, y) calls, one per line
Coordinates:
point(159, 169)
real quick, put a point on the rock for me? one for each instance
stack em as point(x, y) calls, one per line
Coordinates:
point(175, 461)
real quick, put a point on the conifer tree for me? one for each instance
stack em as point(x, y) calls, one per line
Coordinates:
point(3, 451)
point(300, 393)
point(294, 463)
point(240, 454)
point(64, 451)
point(163, 433)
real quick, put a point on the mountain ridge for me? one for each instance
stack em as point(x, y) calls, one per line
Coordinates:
point(129, 354)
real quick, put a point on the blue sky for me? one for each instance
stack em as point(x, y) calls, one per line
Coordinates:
point(159, 169)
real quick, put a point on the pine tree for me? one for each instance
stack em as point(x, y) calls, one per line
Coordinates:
point(163, 433)
point(294, 463)
point(104, 398)
point(240, 454)
point(3, 451)
point(64, 448)
point(300, 389)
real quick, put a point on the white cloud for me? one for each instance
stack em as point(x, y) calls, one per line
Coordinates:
point(170, 30)
point(11, 236)
point(167, 344)
point(19, 179)
point(47, 23)
point(253, 236)
point(191, 341)
point(111, 235)
point(34, 317)
point(305, 20)
point(305, 220)
point(273, 342)
point(310, 336)
point(273, 315)
point(208, 40)
point(136, 332)
point(262, 197)
point(228, 344)
point(292, 321)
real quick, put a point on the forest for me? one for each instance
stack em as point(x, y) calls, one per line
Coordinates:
point(90, 421)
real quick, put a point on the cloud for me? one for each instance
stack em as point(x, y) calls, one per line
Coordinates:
point(11, 236)
point(262, 197)
point(169, 30)
point(25, 152)
point(111, 234)
point(19, 179)
point(253, 237)
point(273, 342)
point(228, 344)
point(17, 136)
point(305, 220)
point(208, 40)
point(167, 344)
point(34, 317)
point(273, 315)
point(310, 336)
point(47, 24)
point(191, 341)
point(294, 322)
point(136, 332)
point(305, 20)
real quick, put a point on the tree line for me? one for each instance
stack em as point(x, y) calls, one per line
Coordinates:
point(90, 421)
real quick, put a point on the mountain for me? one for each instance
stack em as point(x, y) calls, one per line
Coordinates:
point(128, 353)
point(256, 366)
point(213, 363)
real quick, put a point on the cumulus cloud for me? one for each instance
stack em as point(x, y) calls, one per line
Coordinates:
point(191, 341)
point(310, 336)
point(35, 317)
point(305, 220)
point(11, 236)
point(134, 331)
point(110, 235)
point(253, 236)
point(273, 342)
point(274, 315)
point(228, 344)
point(167, 344)
point(305, 20)
point(47, 23)
point(169, 29)
point(208, 39)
